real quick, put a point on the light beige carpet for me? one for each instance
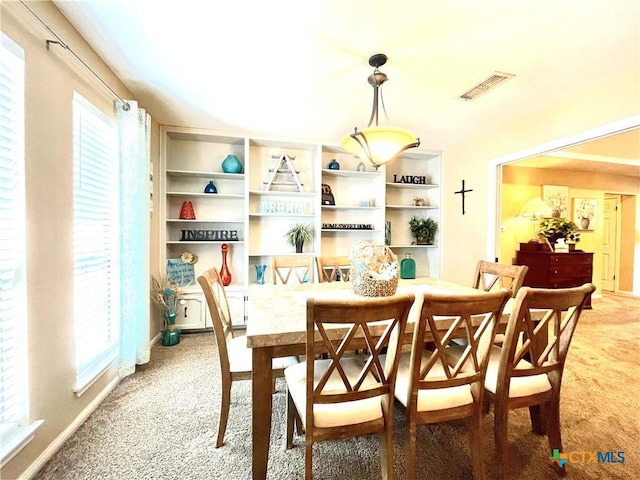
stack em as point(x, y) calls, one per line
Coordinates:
point(161, 422)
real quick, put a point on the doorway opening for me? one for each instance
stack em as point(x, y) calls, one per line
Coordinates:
point(618, 268)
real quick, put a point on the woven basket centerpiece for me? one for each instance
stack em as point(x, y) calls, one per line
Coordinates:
point(374, 270)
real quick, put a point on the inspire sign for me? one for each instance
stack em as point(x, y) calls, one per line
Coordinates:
point(209, 235)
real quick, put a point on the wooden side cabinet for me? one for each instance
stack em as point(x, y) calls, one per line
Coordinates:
point(557, 270)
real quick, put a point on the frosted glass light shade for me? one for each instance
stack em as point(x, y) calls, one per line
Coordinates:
point(379, 145)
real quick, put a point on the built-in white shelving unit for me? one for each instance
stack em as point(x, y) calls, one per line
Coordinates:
point(400, 206)
point(261, 214)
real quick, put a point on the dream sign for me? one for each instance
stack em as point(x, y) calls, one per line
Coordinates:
point(282, 207)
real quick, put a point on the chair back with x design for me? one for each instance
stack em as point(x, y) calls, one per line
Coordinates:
point(288, 268)
point(347, 395)
point(370, 323)
point(534, 347)
point(472, 317)
point(445, 381)
point(494, 276)
point(527, 370)
point(331, 269)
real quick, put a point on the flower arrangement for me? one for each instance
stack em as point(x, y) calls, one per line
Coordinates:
point(189, 258)
point(167, 296)
point(557, 227)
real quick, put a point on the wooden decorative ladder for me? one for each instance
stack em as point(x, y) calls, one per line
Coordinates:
point(283, 174)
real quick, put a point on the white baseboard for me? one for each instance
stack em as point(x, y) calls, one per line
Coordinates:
point(54, 446)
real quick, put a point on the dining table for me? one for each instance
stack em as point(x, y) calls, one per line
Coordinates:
point(276, 327)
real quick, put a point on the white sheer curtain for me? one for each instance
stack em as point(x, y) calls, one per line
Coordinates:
point(134, 128)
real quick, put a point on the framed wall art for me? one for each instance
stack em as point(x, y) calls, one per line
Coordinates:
point(557, 197)
point(585, 213)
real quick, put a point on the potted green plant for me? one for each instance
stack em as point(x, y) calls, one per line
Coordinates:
point(298, 235)
point(558, 227)
point(424, 229)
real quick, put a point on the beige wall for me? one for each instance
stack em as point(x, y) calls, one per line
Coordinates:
point(520, 184)
point(53, 75)
point(51, 78)
point(466, 238)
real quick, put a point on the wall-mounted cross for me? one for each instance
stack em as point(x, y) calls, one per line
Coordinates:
point(463, 191)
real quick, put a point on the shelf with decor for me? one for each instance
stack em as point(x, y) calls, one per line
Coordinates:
point(348, 230)
point(351, 173)
point(411, 207)
point(234, 177)
point(277, 193)
point(255, 207)
point(410, 186)
point(186, 232)
point(349, 207)
point(358, 201)
point(412, 189)
point(283, 187)
point(192, 177)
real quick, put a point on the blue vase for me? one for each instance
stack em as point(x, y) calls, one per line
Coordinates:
point(171, 337)
point(333, 165)
point(231, 164)
point(260, 274)
point(170, 334)
point(210, 188)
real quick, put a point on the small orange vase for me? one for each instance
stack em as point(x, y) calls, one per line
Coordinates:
point(187, 212)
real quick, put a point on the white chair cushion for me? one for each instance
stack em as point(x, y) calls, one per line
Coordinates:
point(430, 400)
point(333, 414)
point(240, 356)
point(519, 386)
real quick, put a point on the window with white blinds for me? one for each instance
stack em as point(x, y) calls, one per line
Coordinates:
point(96, 237)
point(14, 394)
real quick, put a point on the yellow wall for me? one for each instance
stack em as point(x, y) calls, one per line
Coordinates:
point(521, 184)
point(627, 252)
point(51, 78)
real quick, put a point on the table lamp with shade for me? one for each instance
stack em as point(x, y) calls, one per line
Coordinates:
point(535, 209)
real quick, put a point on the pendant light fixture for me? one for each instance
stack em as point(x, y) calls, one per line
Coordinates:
point(378, 145)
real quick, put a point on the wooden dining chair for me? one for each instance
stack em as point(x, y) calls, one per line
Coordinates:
point(235, 357)
point(331, 269)
point(431, 387)
point(494, 276)
point(300, 266)
point(345, 395)
point(528, 373)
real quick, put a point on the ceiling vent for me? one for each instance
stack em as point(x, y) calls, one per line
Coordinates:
point(487, 84)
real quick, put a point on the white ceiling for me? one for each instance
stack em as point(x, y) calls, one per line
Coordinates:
point(299, 69)
point(617, 154)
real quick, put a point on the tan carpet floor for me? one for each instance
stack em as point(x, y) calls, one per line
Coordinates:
point(160, 423)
